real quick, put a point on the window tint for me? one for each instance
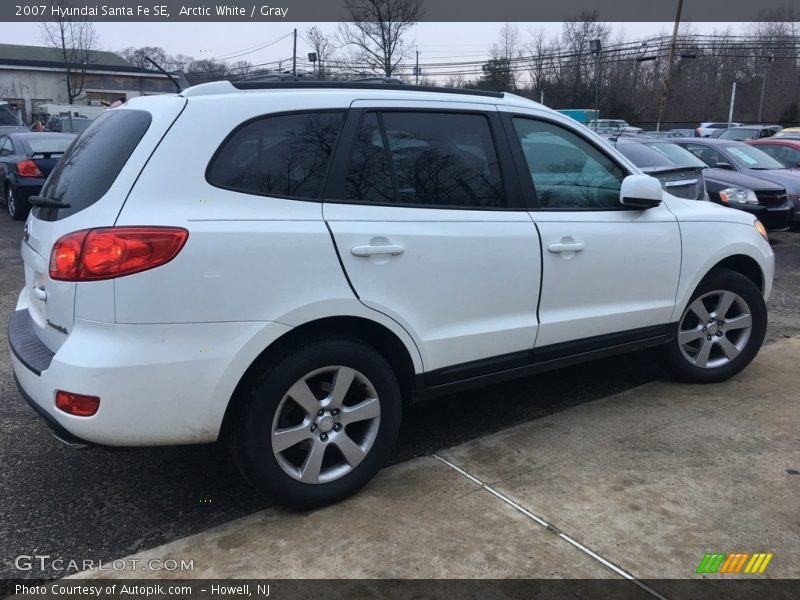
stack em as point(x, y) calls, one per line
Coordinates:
point(789, 157)
point(643, 156)
point(369, 177)
point(285, 155)
point(5, 146)
point(707, 154)
point(567, 171)
point(93, 161)
point(435, 159)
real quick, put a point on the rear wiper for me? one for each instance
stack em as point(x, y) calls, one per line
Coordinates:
point(47, 202)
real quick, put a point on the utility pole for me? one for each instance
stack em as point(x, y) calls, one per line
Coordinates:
point(294, 53)
point(770, 58)
point(416, 69)
point(662, 107)
point(733, 101)
point(595, 46)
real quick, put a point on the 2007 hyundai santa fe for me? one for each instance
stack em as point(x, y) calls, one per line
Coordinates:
point(290, 266)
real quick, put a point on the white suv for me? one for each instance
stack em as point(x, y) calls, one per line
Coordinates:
point(290, 265)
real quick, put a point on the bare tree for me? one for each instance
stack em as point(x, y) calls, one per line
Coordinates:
point(138, 57)
point(75, 40)
point(324, 47)
point(376, 32)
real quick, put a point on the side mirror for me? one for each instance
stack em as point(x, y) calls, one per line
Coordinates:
point(640, 191)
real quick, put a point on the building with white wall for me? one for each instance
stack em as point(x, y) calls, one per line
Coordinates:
point(30, 75)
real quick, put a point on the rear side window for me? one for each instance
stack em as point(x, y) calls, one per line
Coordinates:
point(92, 162)
point(283, 155)
point(426, 159)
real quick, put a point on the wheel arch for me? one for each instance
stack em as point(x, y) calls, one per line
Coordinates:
point(745, 265)
point(387, 342)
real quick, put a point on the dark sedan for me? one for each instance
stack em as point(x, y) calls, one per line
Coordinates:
point(738, 157)
point(26, 160)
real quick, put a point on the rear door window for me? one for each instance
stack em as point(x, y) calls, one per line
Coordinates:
point(92, 162)
point(282, 155)
point(426, 159)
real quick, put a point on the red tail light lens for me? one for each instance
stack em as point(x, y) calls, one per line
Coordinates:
point(77, 404)
point(96, 254)
point(28, 168)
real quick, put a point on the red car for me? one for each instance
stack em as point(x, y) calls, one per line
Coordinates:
point(785, 150)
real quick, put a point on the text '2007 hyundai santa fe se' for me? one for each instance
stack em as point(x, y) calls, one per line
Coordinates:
point(290, 266)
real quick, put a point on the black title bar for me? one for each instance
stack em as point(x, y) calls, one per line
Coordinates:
point(433, 10)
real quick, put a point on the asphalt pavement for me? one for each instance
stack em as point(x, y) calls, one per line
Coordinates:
point(100, 504)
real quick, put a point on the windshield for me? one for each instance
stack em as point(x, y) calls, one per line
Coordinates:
point(93, 161)
point(680, 156)
point(43, 144)
point(748, 157)
point(740, 134)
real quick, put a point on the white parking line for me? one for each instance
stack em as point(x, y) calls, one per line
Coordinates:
point(551, 528)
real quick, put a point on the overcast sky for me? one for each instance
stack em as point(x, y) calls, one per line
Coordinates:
point(435, 41)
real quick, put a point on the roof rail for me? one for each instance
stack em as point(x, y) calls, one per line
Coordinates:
point(357, 85)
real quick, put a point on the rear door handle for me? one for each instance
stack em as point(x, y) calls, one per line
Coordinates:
point(392, 249)
point(564, 247)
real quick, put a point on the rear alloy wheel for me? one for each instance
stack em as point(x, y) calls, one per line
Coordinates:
point(11, 202)
point(318, 424)
point(17, 209)
point(721, 329)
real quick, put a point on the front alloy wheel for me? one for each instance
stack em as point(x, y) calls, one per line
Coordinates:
point(720, 331)
point(715, 329)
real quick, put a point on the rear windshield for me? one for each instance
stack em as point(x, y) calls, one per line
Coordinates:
point(93, 161)
point(644, 157)
point(680, 156)
point(48, 145)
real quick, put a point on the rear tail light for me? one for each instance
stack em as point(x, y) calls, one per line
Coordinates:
point(77, 404)
point(28, 168)
point(95, 254)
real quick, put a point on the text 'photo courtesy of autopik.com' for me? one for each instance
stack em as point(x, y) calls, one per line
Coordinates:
point(392, 299)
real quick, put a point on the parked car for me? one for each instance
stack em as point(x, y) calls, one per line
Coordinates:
point(747, 160)
point(749, 132)
point(689, 177)
point(681, 176)
point(707, 128)
point(330, 252)
point(26, 160)
point(9, 121)
point(67, 125)
point(788, 132)
point(785, 150)
point(605, 126)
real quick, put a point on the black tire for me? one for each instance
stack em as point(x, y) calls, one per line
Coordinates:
point(251, 428)
point(725, 280)
point(17, 208)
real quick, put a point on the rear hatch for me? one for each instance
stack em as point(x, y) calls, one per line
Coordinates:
point(91, 180)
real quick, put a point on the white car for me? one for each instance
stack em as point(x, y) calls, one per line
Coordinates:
point(709, 128)
point(606, 126)
point(290, 265)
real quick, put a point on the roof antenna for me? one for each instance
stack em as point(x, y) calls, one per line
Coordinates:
point(171, 78)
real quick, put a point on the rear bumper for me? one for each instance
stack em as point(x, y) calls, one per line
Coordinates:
point(158, 384)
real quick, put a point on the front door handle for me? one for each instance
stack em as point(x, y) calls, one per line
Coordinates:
point(565, 247)
point(392, 249)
